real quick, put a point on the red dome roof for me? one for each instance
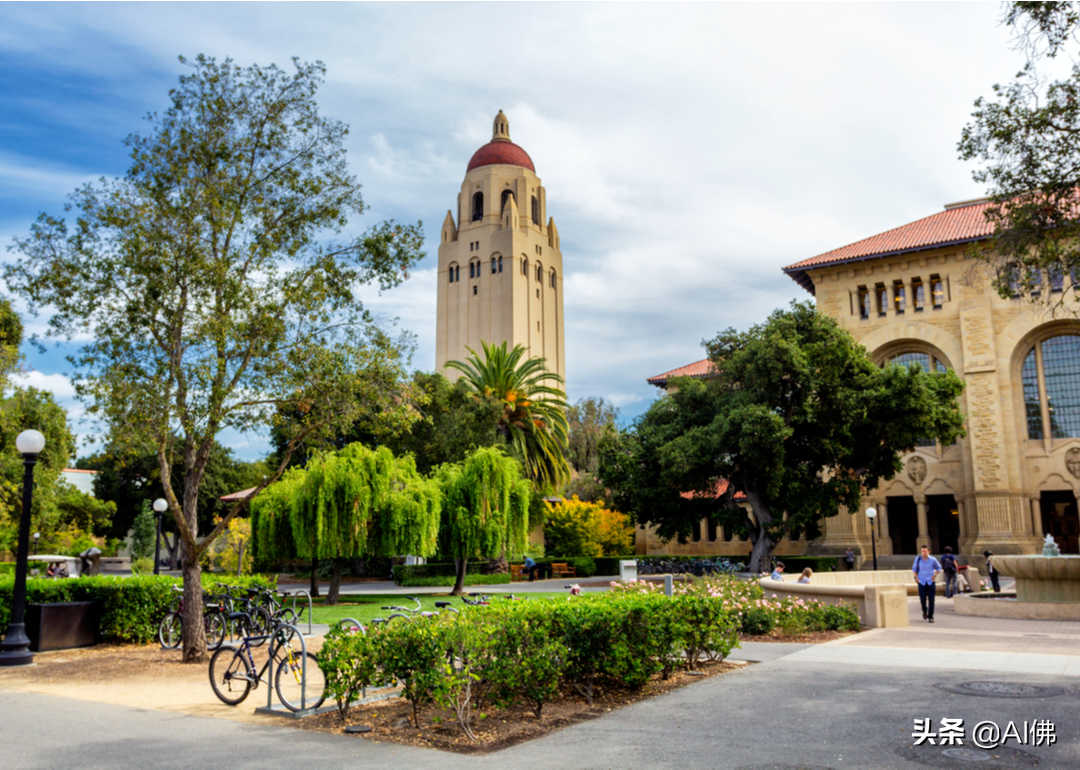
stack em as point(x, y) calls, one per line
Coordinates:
point(502, 151)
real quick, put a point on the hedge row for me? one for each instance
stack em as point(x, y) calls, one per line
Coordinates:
point(448, 580)
point(523, 652)
point(130, 608)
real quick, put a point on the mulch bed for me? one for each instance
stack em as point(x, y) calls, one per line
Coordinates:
point(391, 720)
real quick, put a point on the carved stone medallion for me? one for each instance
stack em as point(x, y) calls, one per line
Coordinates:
point(1072, 461)
point(916, 469)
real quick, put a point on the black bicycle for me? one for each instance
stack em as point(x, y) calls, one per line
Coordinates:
point(233, 673)
point(171, 628)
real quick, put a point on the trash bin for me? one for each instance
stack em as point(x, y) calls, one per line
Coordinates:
point(62, 625)
point(628, 570)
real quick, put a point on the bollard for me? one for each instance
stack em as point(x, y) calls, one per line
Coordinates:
point(669, 585)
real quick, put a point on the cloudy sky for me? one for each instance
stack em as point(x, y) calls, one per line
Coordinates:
point(689, 151)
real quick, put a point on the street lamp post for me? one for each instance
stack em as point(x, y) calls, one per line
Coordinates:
point(15, 649)
point(36, 536)
point(159, 508)
point(871, 513)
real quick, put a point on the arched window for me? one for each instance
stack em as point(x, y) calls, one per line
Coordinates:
point(535, 210)
point(500, 264)
point(472, 269)
point(450, 273)
point(539, 273)
point(478, 207)
point(493, 265)
point(1050, 377)
point(525, 267)
point(553, 279)
point(506, 195)
point(926, 362)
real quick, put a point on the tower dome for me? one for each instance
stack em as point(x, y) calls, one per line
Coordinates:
point(500, 150)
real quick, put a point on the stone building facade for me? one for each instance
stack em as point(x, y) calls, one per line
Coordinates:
point(500, 266)
point(914, 295)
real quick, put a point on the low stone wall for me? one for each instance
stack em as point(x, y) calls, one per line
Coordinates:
point(1004, 605)
point(883, 605)
point(879, 577)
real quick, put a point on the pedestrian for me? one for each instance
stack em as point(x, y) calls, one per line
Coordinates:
point(530, 568)
point(778, 571)
point(991, 570)
point(948, 566)
point(805, 577)
point(849, 557)
point(926, 569)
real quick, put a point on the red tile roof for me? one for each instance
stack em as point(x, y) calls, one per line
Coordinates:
point(721, 488)
point(957, 224)
point(501, 151)
point(698, 369)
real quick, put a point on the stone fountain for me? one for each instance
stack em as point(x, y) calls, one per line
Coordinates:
point(1048, 577)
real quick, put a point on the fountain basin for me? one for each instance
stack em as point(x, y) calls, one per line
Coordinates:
point(1042, 578)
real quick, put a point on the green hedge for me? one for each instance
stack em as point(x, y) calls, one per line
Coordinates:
point(521, 653)
point(130, 607)
point(793, 564)
point(584, 566)
point(7, 568)
point(435, 569)
point(448, 580)
point(609, 565)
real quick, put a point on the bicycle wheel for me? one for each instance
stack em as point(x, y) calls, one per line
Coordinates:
point(290, 677)
point(215, 630)
point(228, 676)
point(261, 625)
point(171, 631)
point(396, 615)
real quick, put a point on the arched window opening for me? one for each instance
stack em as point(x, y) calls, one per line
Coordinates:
point(478, 207)
point(535, 210)
point(457, 273)
point(450, 273)
point(493, 265)
point(927, 363)
point(539, 274)
point(506, 195)
point(553, 279)
point(1050, 379)
point(525, 267)
point(500, 264)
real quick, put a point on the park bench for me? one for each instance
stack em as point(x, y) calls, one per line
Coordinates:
point(517, 572)
point(561, 569)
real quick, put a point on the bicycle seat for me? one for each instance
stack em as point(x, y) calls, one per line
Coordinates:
point(238, 616)
point(286, 593)
point(440, 605)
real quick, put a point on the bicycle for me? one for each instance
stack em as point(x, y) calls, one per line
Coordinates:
point(171, 628)
point(233, 675)
point(252, 621)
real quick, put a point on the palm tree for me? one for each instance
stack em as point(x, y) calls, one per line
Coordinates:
point(533, 419)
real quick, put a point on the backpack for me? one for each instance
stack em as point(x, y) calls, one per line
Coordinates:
point(948, 564)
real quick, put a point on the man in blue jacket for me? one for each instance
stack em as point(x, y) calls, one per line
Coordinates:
point(926, 568)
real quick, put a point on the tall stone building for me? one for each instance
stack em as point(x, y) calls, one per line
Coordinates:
point(500, 266)
point(913, 295)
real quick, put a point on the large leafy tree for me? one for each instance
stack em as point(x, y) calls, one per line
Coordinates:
point(355, 503)
point(485, 510)
point(798, 418)
point(217, 284)
point(590, 420)
point(533, 408)
point(1027, 141)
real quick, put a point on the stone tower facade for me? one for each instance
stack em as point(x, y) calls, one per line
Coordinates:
point(500, 267)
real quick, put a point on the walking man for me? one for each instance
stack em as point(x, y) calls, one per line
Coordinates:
point(992, 572)
point(926, 568)
point(849, 557)
point(948, 566)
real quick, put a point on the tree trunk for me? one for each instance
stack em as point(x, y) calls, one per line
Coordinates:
point(194, 632)
point(239, 561)
point(173, 548)
point(335, 583)
point(459, 583)
point(314, 578)
point(761, 555)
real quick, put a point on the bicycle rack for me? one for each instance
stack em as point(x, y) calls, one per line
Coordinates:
point(275, 645)
point(295, 596)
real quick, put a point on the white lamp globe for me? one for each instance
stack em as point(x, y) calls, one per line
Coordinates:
point(30, 442)
point(871, 513)
point(160, 505)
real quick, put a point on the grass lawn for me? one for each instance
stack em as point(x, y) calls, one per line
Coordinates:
point(364, 607)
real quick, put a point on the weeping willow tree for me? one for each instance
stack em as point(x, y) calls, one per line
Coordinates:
point(485, 508)
point(353, 503)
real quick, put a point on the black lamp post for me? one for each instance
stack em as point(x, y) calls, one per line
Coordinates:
point(159, 508)
point(871, 513)
point(15, 649)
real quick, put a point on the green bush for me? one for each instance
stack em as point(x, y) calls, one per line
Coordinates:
point(795, 564)
point(130, 607)
point(7, 568)
point(403, 572)
point(609, 565)
point(758, 621)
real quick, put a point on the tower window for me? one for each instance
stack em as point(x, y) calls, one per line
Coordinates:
point(553, 279)
point(1057, 278)
point(918, 294)
point(535, 211)
point(539, 274)
point(864, 302)
point(899, 296)
point(472, 270)
point(506, 195)
point(493, 265)
point(500, 264)
point(525, 267)
point(937, 291)
point(882, 299)
point(450, 273)
point(477, 207)
point(474, 288)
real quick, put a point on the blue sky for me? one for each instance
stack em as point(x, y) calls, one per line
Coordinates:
point(689, 151)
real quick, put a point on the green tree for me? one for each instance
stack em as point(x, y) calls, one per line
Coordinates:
point(533, 417)
point(578, 527)
point(216, 284)
point(798, 418)
point(485, 509)
point(590, 420)
point(1026, 139)
point(144, 532)
point(355, 503)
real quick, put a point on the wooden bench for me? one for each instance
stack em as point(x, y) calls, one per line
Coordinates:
point(561, 569)
point(517, 572)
